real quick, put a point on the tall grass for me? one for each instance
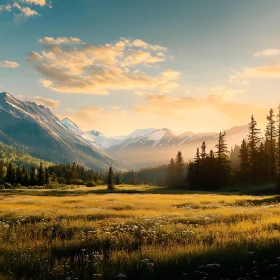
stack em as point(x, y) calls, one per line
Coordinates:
point(77, 234)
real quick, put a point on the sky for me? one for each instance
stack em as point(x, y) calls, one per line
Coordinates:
point(120, 65)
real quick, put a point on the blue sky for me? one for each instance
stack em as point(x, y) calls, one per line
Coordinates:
point(179, 59)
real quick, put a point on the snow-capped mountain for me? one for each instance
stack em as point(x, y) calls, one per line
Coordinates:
point(72, 126)
point(150, 146)
point(41, 132)
point(99, 139)
point(160, 145)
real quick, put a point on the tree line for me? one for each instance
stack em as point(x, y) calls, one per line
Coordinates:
point(259, 159)
point(44, 175)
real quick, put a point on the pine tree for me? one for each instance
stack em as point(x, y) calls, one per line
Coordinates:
point(179, 170)
point(72, 173)
point(244, 171)
point(41, 175)
point(223, 167)
point(47, 176)
point(118, 179)
point(203, 153)
point(19, 175)
point(271, 136)
point(253, 143)
point(222, 149)
point(2, 170)
point(25, 177)
point(110, 180)
point(32, 178)
point(11, 174)
point(171, 169)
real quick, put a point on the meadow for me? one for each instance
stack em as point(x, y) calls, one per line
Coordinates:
point(138, 232)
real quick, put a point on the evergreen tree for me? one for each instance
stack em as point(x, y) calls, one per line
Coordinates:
point(32, 178)
point(25, 177)
point(278, 141)
point(244, 171)
point(41, 175)
point(223, 164)
point(203, 154)
point(73, 171)
point(271, 136)
point(253, 143)
point(47, 176)
point(110, 180)
point(2, 169)
point(54, 178)
point(11, 174)
point(179, 170)
point(117, 180)
point(19, 175)
point(222, 149)
point(171, 175)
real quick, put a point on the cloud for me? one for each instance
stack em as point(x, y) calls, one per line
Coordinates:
point(71, 66)
point(23, 10)
point(141, 44)
point(34, 57)
point(8, 64)
point(35, 2)
point(267, 53)
point(50, 103)
point(217, 101)
point(60, 40)
point(261, 72)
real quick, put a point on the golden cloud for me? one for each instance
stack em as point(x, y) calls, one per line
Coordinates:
point(68, 65)
point(8, 64)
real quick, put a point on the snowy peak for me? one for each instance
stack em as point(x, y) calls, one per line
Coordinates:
point(139, 133)
point(72, 126)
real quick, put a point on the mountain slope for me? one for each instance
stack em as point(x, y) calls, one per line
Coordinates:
point(39, 130)
point(146, 147)
point(159, 146)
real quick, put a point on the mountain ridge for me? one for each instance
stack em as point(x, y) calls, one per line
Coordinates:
point(37, 128)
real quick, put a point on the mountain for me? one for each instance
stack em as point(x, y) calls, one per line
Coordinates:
point(160, 145)
point(147, 147)
point(19, 156)
point(46, 137)
point(99, 139)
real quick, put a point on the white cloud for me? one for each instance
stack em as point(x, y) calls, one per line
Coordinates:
point(23, 9)
point(267, 53)
point(35, 2)
point(8, 64)
point(60, 40)
point(72, 66)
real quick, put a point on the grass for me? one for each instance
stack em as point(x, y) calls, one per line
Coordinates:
point(138, 232)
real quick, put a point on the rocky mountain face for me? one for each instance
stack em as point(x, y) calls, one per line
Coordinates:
point(45, 136)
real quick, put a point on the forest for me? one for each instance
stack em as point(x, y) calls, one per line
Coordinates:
point(255, 161)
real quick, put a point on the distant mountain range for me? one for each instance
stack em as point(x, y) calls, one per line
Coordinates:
point(43, 135)
point(35, 129)
point(149, 147)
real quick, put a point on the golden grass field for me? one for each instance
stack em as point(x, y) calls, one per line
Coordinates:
point(87, 233)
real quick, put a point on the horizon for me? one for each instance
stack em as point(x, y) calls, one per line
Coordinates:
point(205, 68)
point(175, 133)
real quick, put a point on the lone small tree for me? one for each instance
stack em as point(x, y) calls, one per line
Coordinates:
point(110, 180)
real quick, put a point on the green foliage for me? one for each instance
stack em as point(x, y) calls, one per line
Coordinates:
point(110, 180)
